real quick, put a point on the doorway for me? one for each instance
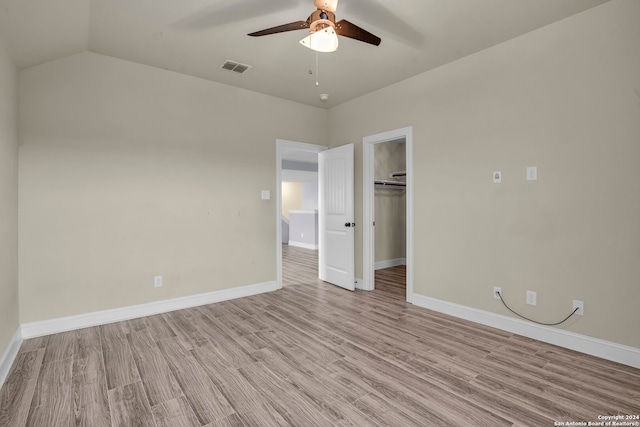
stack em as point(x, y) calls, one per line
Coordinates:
point(296, 164)
point(402, 136)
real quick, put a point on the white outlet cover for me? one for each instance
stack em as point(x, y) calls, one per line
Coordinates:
point(532, 298)
point(266, 195)
point(580, 306)
point(157, 281)
point(532, 173)
point(497, 177)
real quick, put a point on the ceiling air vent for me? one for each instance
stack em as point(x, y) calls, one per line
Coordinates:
point(235, 66)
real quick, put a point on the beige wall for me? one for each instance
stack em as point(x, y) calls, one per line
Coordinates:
point(127, 172)
point(390, 203)
point(565, 98)
point(9, 320)
point(291, 197)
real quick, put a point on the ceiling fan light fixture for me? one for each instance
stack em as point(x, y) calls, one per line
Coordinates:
point(324, 39)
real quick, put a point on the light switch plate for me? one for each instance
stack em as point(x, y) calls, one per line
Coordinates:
point(266, 195)
point(532, 173)
point(497, 177)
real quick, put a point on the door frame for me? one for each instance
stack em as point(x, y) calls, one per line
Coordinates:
point(368, 205)
point(283, 145)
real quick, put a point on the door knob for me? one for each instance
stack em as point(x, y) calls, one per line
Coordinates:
point(350, 224)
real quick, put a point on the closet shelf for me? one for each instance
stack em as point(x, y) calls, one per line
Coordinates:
point(398, 175)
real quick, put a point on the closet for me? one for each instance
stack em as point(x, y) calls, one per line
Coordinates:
point(390, 204)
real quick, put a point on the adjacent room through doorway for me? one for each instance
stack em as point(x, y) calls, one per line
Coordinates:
point(299, 226)
point(298, 208)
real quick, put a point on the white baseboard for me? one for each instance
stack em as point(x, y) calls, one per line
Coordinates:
point(9, 355)
point(390, 263)
point(585, 344)
point(302, 245)
point(79, 321)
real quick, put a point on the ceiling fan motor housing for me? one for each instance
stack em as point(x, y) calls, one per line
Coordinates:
point(321, 19)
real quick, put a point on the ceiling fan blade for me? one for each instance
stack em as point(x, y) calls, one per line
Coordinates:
point(347, 29)
point(292, 26)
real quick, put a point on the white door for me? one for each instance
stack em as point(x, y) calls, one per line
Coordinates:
point(336, 217)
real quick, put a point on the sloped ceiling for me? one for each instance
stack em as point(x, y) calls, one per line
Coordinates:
point(195, 37)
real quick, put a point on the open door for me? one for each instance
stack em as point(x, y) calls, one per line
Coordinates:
point(336, 260)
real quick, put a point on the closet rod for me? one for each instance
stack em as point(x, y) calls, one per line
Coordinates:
point(386, 183)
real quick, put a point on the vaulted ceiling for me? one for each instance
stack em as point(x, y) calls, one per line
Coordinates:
point(195, 37)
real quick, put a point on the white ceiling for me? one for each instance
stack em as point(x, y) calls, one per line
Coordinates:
point(194, 37)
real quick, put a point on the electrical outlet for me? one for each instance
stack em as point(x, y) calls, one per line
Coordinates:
point(580, 306)
point(157, 281)
point(497, 292)
point(532, 297)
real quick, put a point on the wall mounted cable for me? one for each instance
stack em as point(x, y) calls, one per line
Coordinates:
point(535, 321)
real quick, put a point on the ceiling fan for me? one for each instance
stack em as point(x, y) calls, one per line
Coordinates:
point(323, 29)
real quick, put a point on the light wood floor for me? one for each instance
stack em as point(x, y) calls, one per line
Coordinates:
point(310, 354)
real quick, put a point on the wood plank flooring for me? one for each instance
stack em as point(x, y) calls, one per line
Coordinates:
point(310, 354)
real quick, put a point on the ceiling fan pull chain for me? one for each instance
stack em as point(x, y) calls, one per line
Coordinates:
point(317, 75)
